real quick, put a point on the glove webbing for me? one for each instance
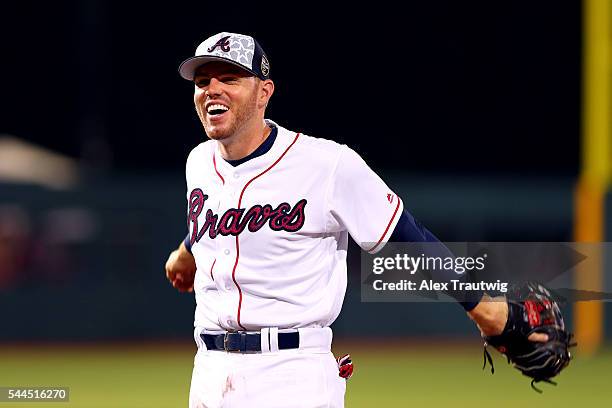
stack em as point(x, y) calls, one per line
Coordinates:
point(487, 357)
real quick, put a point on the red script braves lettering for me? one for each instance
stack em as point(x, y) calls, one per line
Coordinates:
point(235, 220)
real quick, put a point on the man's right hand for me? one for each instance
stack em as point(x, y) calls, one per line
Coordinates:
point(181, 269)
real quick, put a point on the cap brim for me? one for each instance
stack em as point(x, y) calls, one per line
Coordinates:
point(188, 67)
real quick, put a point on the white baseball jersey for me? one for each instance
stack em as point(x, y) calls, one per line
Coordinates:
point(270, 235)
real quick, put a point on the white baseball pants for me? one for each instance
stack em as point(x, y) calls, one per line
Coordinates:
point(306, 377)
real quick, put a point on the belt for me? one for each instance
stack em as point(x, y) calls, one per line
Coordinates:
point(242, 341)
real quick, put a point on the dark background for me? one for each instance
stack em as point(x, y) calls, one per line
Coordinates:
point(444, 86)
point(470, 111)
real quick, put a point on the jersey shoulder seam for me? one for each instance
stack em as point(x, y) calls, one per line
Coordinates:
point(318, 143)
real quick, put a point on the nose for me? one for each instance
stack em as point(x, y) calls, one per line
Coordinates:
point(214, 88)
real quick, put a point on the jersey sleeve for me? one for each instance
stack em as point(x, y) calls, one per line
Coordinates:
point(360, 202)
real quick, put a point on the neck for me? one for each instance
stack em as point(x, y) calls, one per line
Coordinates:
point(236, 148)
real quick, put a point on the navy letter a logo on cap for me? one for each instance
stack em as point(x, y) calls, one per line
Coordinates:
point(223, 43)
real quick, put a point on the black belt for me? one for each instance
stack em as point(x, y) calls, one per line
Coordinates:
point(242, 341)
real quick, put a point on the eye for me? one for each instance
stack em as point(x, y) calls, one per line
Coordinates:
point(229, 79)
point(202, 82)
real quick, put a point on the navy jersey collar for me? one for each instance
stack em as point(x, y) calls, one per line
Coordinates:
point(260, 151)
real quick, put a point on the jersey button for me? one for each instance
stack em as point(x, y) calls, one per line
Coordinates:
point(236, 175)
point(226, 252)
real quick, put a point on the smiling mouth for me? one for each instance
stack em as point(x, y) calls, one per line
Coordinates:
point(217, 109)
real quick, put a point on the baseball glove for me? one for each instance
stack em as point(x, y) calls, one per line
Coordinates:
point(531, 309)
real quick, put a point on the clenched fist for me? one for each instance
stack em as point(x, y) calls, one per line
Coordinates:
point(181, 269)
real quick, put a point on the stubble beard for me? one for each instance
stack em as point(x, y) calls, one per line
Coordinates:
point(242, 115)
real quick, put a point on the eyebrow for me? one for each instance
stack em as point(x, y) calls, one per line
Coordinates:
point(226, 72)
point(237, 72)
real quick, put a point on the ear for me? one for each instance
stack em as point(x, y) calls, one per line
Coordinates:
point(266, 89)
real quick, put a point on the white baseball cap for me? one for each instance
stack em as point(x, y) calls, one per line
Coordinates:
point(237, 49)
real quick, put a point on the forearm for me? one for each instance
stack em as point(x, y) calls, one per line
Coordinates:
point(490, 315)
point(409, 229)
point(184, 254)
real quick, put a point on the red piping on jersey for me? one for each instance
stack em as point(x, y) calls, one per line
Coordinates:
point(215, 166)
point(239, 206)
point(388, 225)
point(211, 269)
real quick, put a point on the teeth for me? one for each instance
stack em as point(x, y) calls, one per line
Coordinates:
point(217, 107)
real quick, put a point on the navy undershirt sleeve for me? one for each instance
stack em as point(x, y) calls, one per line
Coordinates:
point(409, 229)
point(187, 242)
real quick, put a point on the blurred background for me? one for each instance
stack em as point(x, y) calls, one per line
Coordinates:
point(490, 119)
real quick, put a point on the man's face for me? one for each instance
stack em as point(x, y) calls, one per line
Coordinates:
point(225, 98)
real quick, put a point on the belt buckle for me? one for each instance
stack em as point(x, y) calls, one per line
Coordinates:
point(226, 341)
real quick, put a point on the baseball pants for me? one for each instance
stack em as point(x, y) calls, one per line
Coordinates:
point(306, 377)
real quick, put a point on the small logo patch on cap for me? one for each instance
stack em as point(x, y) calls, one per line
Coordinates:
point(265, 66)
point(223, 43)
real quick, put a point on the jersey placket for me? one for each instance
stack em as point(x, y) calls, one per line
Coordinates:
point(226, 254)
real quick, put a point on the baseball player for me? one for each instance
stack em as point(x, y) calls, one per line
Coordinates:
point(269, 211)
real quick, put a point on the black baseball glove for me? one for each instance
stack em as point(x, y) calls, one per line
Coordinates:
point(531, 309)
